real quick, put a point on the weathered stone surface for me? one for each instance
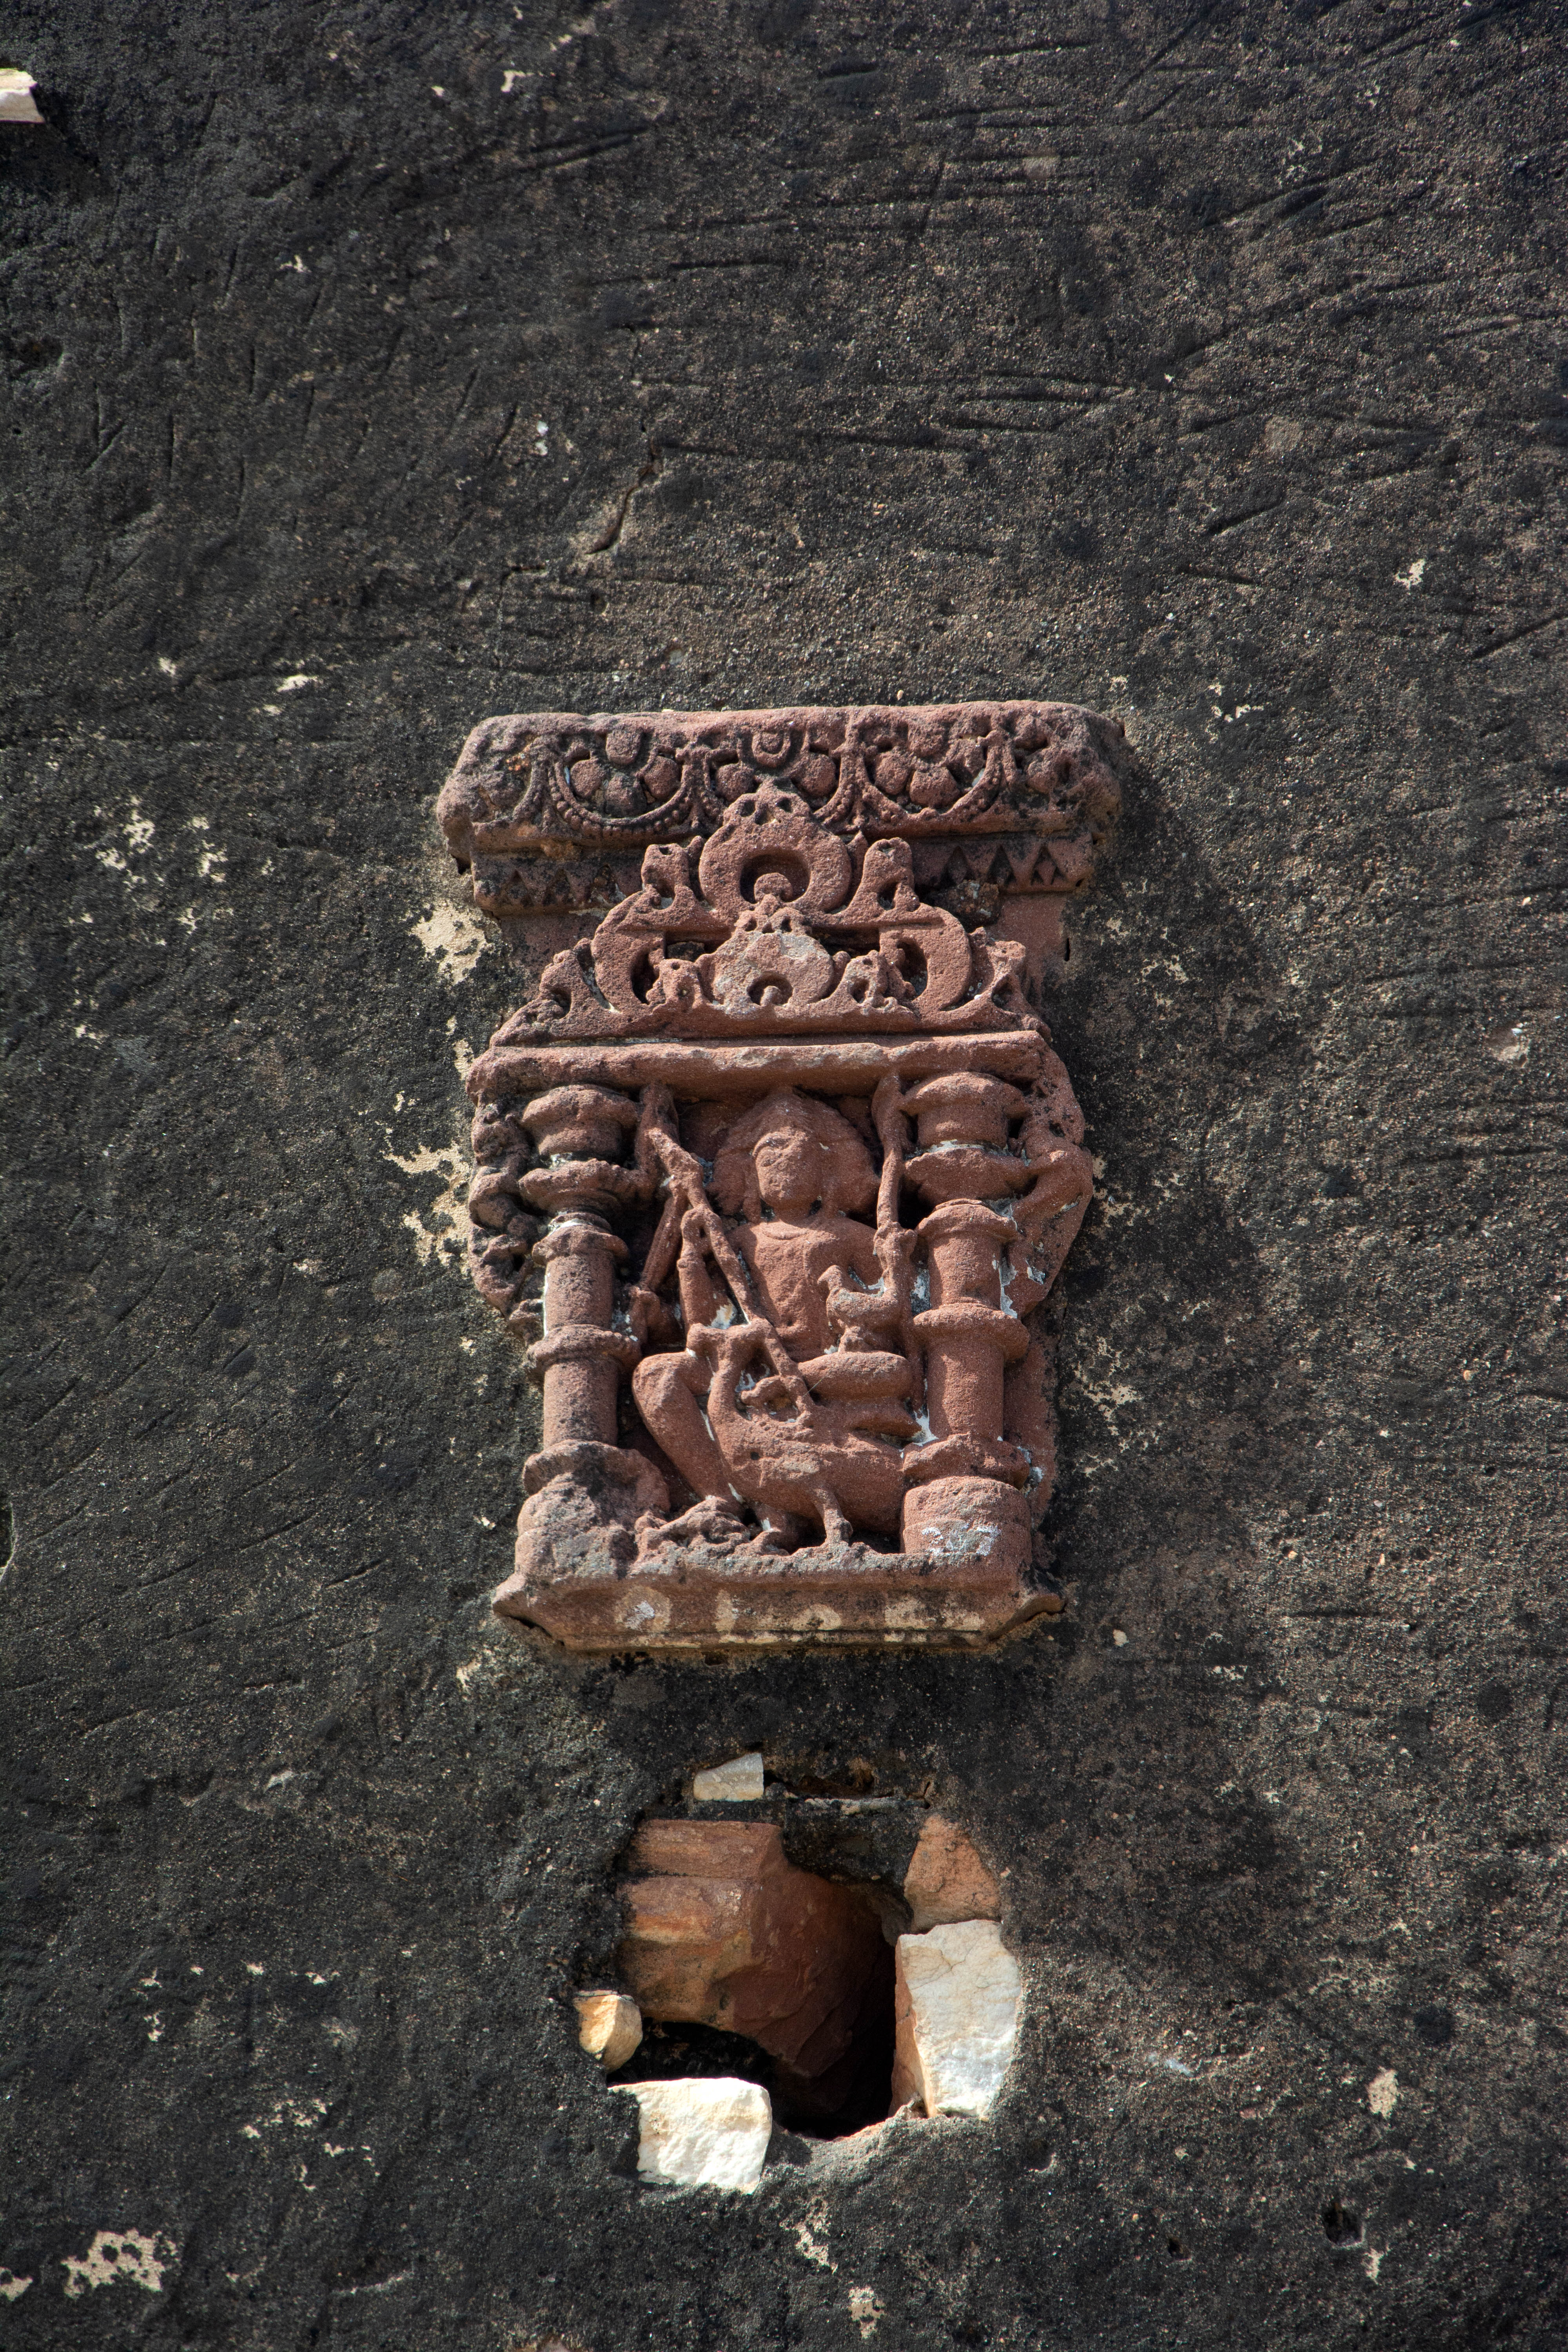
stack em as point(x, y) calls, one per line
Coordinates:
point(711, 2133)
point(609, 2025)
point(1201, 367)
point(957, 1999)
point(946, 1879)
point(722, 1930)
point(738, 1782)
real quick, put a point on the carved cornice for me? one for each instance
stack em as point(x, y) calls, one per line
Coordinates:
point(529, 789)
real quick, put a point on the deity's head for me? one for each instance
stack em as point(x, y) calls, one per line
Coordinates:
point(791, 1154)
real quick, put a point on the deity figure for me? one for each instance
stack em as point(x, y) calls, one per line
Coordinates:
point(793, 1389)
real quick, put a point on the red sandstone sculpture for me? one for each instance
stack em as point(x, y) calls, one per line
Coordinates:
point(784, 1136)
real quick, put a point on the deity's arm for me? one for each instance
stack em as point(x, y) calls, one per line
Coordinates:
point(702, 1298)
point(855, 1247)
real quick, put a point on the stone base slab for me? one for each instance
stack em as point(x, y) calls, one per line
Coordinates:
point(840, 1596)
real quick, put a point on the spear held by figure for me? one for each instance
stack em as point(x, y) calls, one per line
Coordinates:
point(819, 1297)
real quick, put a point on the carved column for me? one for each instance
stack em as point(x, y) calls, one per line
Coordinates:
point(965, 1476)
point(580, 1133)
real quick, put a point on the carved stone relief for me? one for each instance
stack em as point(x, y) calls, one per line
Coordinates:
point(777, 1167)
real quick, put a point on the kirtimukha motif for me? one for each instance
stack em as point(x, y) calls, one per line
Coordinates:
point(777, 1167)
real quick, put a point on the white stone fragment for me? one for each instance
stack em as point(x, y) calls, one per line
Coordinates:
point(702, 2134)
point(609, 2025)
point(958, 1996)
point(739, 1782)
point(17, 90)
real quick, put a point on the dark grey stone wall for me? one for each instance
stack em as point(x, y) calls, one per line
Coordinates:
point(374, 368)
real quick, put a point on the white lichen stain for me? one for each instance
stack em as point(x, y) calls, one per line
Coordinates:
point(450, 1230)
point(11, 2285)
point(1372, 2261)
point(1412, 576)
point(485, 1667)
point(138, 831)
point(304, 2115)
point(1108, 1394)
point(963, 1542)
point(456, 937)
point(1383, 2093)
point(811, 2237)
point(866, 2307)
point(1110, 1206)
point(119, 2257)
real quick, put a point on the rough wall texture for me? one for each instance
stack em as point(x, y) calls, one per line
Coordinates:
point(371, 368)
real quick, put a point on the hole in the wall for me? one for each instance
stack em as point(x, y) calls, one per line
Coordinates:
point(855, 2092)
point(791, 1959)
point(745, 1963)
point(1341, 2226)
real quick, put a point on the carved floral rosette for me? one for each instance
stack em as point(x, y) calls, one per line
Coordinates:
point(777, 1167)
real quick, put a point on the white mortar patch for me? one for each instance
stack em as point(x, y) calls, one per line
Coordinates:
point(17, 104)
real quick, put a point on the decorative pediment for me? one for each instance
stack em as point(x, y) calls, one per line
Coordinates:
point(779, 927)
